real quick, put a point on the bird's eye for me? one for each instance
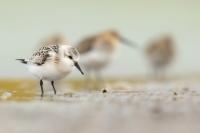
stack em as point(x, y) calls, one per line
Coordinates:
point(70, 56)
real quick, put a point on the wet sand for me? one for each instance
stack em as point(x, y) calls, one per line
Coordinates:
point(151, 107)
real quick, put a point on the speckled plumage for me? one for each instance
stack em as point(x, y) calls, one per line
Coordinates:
point(40, 56)
point(52, 63)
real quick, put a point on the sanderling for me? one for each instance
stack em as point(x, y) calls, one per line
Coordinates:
point(52, 63)
point(160, 53)
point(97, 51)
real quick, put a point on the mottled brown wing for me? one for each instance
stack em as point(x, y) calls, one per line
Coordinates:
point(86, 45)
point(42, 55)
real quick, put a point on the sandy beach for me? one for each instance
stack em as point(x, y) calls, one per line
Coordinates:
point(149, 108)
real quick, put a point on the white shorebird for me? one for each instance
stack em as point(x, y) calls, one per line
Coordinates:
point(98, 51)
point(52, 63)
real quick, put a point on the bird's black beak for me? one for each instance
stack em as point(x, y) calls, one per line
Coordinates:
point(127, 42)
point(78, 67)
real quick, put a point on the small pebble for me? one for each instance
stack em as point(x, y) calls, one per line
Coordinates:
point(104, 91)
point(175, 93)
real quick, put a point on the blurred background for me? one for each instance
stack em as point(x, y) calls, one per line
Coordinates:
point(167, 35)
point(25, 23)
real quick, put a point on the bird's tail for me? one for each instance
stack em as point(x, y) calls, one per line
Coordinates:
point(22, 61)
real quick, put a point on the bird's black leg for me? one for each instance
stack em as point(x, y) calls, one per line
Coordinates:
point(54, 89)
point(41, 86)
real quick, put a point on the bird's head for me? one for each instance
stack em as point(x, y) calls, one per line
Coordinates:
point(70, 53)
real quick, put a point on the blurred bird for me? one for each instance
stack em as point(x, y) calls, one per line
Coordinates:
point(52, 63)
point(160, 54)
point(56, 39)
point(98, 51)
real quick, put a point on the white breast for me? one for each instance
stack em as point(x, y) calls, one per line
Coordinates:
point(50, 70)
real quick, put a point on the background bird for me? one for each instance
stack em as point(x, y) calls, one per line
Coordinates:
point(52, 63)
point(160, 54)
point(55, 39)
point(97, 51)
